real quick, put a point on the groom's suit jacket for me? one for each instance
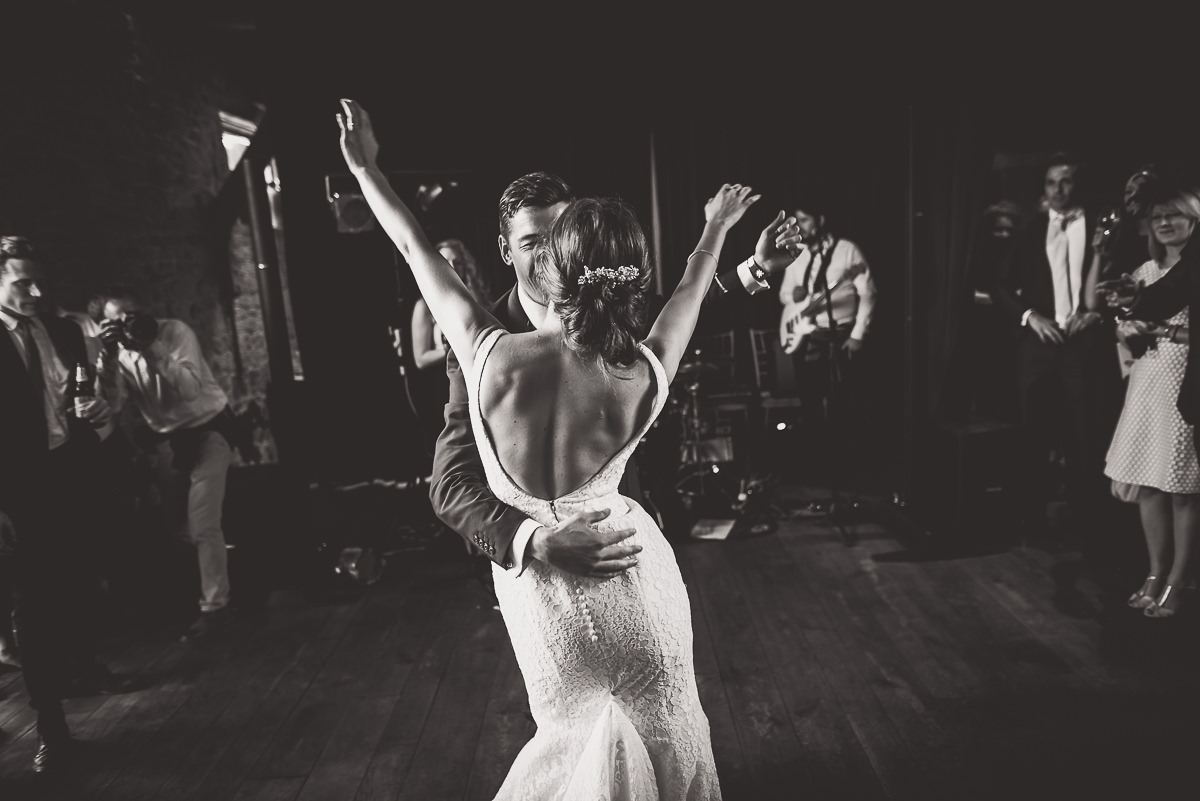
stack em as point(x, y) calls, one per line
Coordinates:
point(459, 491)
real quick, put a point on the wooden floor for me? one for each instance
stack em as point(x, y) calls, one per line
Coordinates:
point(828, 671)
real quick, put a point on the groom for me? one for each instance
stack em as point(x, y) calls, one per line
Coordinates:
point(459, 491)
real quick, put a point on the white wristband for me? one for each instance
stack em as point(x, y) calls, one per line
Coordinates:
point(749, 272)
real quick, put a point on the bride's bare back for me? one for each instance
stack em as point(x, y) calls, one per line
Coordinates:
point(555, 418)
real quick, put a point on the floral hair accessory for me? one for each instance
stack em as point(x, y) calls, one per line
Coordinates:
point(621, 275)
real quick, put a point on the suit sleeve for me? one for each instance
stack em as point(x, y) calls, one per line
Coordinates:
point(459, 490)
point(1005, 284)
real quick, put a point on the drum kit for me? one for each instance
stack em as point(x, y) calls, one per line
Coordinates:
point(688, 460)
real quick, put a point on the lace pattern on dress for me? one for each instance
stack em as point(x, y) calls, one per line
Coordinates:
point(607, 663)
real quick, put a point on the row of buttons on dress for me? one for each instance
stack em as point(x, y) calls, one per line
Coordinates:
point(586, 612)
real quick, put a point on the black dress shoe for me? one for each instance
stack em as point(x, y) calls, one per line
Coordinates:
point(51, 757)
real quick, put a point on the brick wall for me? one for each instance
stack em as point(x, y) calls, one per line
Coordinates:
point(111, 159)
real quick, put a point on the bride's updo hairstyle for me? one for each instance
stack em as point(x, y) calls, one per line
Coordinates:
point(602, 307)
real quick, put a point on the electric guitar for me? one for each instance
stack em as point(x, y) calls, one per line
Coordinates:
point(799, 320)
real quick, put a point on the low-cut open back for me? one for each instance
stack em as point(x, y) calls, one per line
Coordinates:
point(658, 376)
point(607, 663)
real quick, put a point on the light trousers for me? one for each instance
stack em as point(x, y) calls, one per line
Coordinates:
point(204, 485)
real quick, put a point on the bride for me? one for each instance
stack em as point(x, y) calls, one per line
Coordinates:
point(607, 662)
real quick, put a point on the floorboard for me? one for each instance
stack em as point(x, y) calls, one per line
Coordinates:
point(833, 670)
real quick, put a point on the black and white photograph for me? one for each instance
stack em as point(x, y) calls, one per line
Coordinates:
point(418, 402)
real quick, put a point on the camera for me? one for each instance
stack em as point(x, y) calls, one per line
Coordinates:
point(135, 329)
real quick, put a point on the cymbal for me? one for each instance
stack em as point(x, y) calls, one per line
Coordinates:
point(695, 367)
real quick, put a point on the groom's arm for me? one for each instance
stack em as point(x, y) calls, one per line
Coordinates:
point(463, 501)
point(749, 276)
point(459, 490)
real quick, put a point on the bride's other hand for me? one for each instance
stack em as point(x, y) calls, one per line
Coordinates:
point(576, 546)
point(359, 146)
point(728, 205)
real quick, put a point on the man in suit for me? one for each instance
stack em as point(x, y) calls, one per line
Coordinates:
point(44, 467)
point(1059, 373)
point(458, 490)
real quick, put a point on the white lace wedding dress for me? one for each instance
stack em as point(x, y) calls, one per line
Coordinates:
point(607, 663)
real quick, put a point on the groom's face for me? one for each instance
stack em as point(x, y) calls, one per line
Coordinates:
point(526, 229)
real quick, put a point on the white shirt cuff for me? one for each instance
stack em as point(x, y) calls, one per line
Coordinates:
point(1025, 317)
point(751, 283)
point(520, 543)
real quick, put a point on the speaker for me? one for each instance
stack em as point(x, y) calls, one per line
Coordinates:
point(977, 469)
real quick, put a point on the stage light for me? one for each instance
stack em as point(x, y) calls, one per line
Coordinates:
point(716, 469)
point(781, 426)
point(429, 194)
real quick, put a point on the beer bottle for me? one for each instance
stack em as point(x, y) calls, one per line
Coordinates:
point(82, 391)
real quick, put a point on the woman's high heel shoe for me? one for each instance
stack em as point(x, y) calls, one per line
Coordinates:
point(1172, 593)
point(1145, 596)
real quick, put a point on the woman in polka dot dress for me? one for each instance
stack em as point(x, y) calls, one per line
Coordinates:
point(1152, 456)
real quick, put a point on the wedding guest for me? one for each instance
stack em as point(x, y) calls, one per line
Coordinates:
point(1152, 458)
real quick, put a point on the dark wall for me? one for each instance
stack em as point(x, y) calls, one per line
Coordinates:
point(345, 286)
point(112, 155)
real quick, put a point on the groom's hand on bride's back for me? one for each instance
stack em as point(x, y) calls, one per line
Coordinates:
point(576, 546)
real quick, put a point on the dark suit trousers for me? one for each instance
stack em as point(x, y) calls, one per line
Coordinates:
point(50, 584)
point(826, 382)
point(1059, 391)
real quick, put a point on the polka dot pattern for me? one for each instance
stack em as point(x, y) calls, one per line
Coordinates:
point(1153, 446)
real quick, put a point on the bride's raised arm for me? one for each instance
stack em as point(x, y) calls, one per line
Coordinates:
point(460, 316)
point(671, 332)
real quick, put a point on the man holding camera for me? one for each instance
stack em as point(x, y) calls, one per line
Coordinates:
point(159, 364)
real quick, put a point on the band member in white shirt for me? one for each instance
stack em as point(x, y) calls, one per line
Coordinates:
point(828, 298)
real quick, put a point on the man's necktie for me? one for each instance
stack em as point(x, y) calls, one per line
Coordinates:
point(1060, 257)
point(33, 363)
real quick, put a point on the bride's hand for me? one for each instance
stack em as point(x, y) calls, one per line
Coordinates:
point(359, 146)
point(729, 204)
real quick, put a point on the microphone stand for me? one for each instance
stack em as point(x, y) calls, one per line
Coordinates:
point(833, 417)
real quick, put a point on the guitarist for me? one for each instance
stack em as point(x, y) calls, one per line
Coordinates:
point(828, 298)
point(826, 268)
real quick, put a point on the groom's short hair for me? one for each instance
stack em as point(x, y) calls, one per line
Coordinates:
point(537, 189)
